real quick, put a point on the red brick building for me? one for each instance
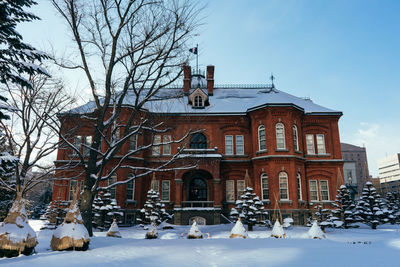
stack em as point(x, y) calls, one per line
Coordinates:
point(287, 148)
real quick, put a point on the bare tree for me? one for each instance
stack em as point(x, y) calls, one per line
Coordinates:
point(128, 51)
point(28, 134)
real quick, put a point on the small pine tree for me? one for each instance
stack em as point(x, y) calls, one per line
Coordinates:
point(105, 210)
point(250, 209)
point(392, 203)
point(324, 217)
point(369, 207)
point(153, 210)
point(344, 207)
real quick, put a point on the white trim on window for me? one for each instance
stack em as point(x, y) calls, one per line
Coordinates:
point(130, 189)
point(310, 144)
point(72, 184)
point(313, 190)
point(165, 193)
point(156, 145)
point(299, 192)
point(283, 186)
point(155, 185)
point(133, 142)
point(113, 190)
point(264, 187)
point(321, 144)
point(167, 147)
point(262, 144)
point(239, 145)
point(324, 188)
point(230, 190)
point(295, 138)
point(228, 144)
point(280, 136)
point(240, 187)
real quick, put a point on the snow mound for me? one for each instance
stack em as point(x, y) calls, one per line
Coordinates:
point(277, 230)
point(194, 232)
point(114, 230)
point(315, 231)
point(238, 230)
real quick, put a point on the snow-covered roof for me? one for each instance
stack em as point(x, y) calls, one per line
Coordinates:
point(234, 100)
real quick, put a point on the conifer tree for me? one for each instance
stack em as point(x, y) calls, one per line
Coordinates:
point(250, 209)
point(344, 207)
point(392, 203)
point(105, 210)
point(324, 217)
point(153, 210)
point(369, 207)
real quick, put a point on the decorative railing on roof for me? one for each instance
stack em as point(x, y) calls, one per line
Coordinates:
point(229, 86)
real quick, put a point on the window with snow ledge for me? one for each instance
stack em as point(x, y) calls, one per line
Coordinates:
point(230, 190)
point(262, 145)
point(264, 186)
point(299, 193)
point(283, 186)
point(198, 102)
point(165, 187)
point(295, 139)
point(280, 136)
point(324, 188)
point(130, 189)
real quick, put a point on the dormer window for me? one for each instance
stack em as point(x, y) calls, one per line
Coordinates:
point(198, 102)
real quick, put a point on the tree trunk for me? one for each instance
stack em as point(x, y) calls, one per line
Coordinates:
point(86, 209)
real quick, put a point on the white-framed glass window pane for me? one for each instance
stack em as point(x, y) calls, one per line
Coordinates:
point(130, 189)
point(283, 186)
point(321, 144)
point(295, 138)
point(310, 144)
point(87, 140)
point(323, 184)
point(166, 147)
point(313, 190)
point(262, 145)
point(165, 190)
point(198, 101)
point(229, 144)
point(239, 145)
point(155, 185)
point(113, 190)
point(73, 185)
point(264, 186)
point(280, 136)
point(156, 145)
point(117, 134)
point(240, 186)
point(299, 193)
point(77, 143)
point(230, 190)
point(133, 142)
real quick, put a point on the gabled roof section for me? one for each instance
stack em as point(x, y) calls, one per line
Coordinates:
point(226, 100)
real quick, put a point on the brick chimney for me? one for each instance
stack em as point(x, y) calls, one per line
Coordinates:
point(187, 77)
point(210, 79)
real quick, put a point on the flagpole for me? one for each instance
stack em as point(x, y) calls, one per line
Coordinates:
point(197, 59)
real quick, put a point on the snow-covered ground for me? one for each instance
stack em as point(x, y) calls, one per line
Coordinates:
point(351, 247)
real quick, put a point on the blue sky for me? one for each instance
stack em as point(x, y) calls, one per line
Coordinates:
point(344, 55)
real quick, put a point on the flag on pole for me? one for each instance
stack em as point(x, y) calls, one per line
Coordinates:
point(193, 50)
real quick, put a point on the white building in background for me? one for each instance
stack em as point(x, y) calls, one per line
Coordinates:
point(389, 168)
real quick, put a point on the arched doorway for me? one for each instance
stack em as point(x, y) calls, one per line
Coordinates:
point(197, 189)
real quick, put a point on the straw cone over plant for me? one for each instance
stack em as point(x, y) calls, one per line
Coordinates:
point(315, 231)
point(152, 233)
point(71, 234)
point(277, 230)
point(238, 230)
point(114, 230)
point(16, 236)
point(194, 232)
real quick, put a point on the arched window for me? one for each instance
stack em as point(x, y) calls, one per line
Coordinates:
point(280, 136)
point(264, 186)
point(283, 186)
point(198, 189)
point(299, 194)
point(198, 101)
point(261, 138)
point(198, 141)
point(295, 138)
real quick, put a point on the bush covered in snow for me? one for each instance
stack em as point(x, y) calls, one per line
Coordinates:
point(105, 210)
point(153, 210)
point(344, 207)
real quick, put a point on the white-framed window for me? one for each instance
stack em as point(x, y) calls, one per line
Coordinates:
point(239, 145)
point(117, 134)
point(313, 190)
point(262, 145)
point(113, 190)
point(280, 136)
point(133, 142)
point(73, 185)
point(240, 186)
point(77, 143)
point(155, 185)
point(295, 138)
point(283, 186)
point(324, 189)
point(198, 101)
point(228, 144)
point(299, 193)
point(165, 187)
point(167, 147)
point(321, 144)
point(264, 186)
point(87, 141)
point(230, 190)
point(156, 145)
point(130, 189)
point(310, 144)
